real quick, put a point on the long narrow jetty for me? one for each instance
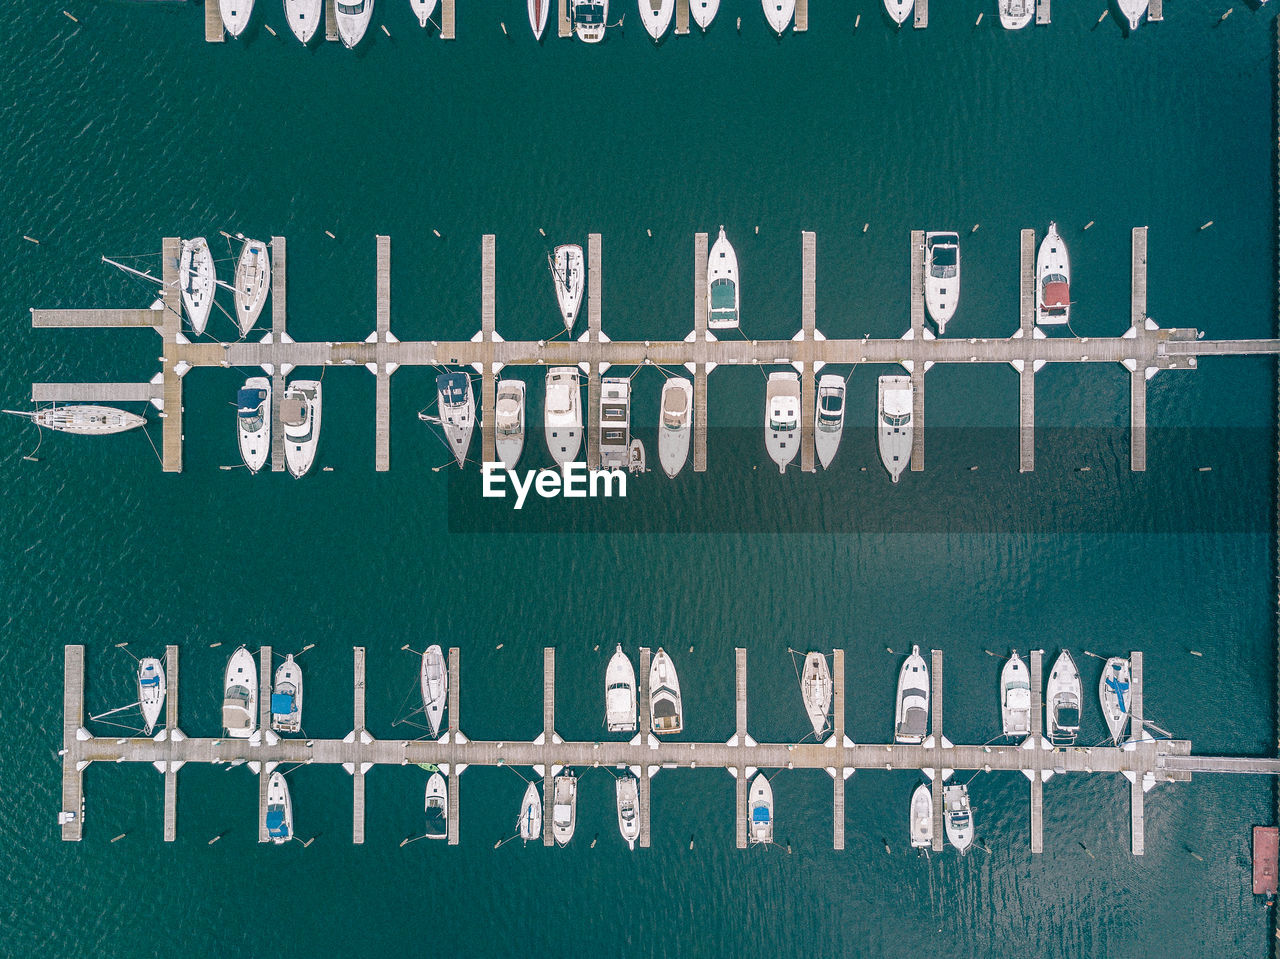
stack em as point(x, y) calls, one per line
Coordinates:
point(1145, 762)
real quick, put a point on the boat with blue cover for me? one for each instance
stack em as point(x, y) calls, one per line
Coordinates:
point(279, 810)
point(760, 810)
point(286, 697)
point(1113, 691)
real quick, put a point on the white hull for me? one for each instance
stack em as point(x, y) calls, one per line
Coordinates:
point(816, 689)
point(286, 717)
point(1062, 701)
point(829, 418)
point(635, 457)
point(1016, 14)
point(704, 11)
point(911, 712)
point(509, 422)
point(656, 15)
point(895, 425)
point(675, 429)
point(627, 791)
point(253, 422)
point(562, 414)
point(353, 20)
point(529, 824)
point(235, 15)
point(782, 418)
point(922, 817)
point(899, 10)
point(620, 694)
point(590, 18)
point(941, 277)
point(84, 419)
point(422, 9)
point(1015, 697)
point(1053, 280)
point(958, 817)
point(304, 17)
point(253, 282)
point(779, 14)
point(666, 710)
point(538, 16)
point(456, 405)
point(564, 807)
point(1133, 10)
point(240, 696)
point(279, 810)
point(300, 420)
point(1113, 693)
point(151, 690)
point(435, 686)
point(437, 808)
point(569, 274)
point(724, 292)
point(196, 276)
point(615, 422)
point(760, 810)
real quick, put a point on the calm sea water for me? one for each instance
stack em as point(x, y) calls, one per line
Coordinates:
point(127, 127)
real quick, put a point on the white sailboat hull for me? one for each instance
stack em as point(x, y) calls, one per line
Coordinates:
point(568, 273)
point(704, 11)
point(196, 276)
point(1133, 10)
point(304, 17)
point(656, 15)
point(423, 9)
point(235, 15)
point(1113, 693)
point(151, 691)
point(435, 686)
point(779, 14)
point(84, 419)
point(538, 16)
point(529, 824)
point(899, 10)
point(817, 690)
point(253, 282)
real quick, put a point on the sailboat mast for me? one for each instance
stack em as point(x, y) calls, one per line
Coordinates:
point(129, 269)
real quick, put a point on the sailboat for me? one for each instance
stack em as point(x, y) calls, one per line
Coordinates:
point(83, 419)
point(627, 790)
point(1015, 697)
point(704, 11)
point(666, 711)
point(240, 696)
point(353, 20)
point(300, 417)
point(620, 693)
point(1133, 11)
point(279, 810)
point(656, 15)
point(568, 271)
point(590, 17)
point(1062, 697)
point(562, 413)
point(816, 689)
point(304, 17)
point(724, 298)
point(1016, 14)
point(1053, 280)
point(457, 408)
point(676, 428)
point(509, 422)
point(1113, 691)
point(894, 427)
point(760, 810)
point(286, 697)
point(253, 421)
point(829, 418)
point(779, 14)
point(941, 276)
point(899, 10)
point(151, 689)
point(782, 417)
point(196, 277)
point(235, 15)
point(564, 807)
point(911, 714)
point(423, 9)
point(252, 282)
point(922, 817)
point(437, 804)
point(529, 823)
point(538, 16)
point(958, 817)
point(435, 686)
point(615, 422)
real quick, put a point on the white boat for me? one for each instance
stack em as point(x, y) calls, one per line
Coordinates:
point(1015, 697)
point(538, 16)
point(286, 697)
point(437, 807)
point(615, 422)
point(724, 295)
point(422, 9)
point(529, 824)
point(508, 421)
point(564, 807)
point(911, 714)
point(816, 689)
point(1016, 14)
point(666, 711)
point(635, 457)
point(656, 15)
point(253, 421)
point(456, 405)
point(779, 14)
point(941, 276)
point(279, 810)
point(922, 817)
point(196, 277)
point(782, 417)
point(1062, 701)
point(894, 426)
point(562, 413)
point(435, 686)
point(627, 789)
point(1053, 280)
point(353, 20)
point(83, 419)
point(676, 429)
point(829, 418)
point(704, 11)
point(760, 810)
point(253, 281)
point(899, 10)
point(569, 273)
point(300, 418)
point(240, 696)
point(1133, 11)
point(590, 18)
point(235, 15)
point(620, 693)
point(151, 689)
point(304, 17)
point(957, 817)
point(1113, 691)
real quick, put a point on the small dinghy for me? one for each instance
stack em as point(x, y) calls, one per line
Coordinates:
point(564, 807)
point(196, 277)
point(286, 697)
point(253, 422)
point(1062, 698)
point(958, 817)
point(829, 418)
point(941, 277)
point(300, 418)
point(665, 708)
point(240, 696)
point(83, 419)
point(235, 15)
point(899, 10)
point(353, 20)
point(760, 810)
point(253, 282)
point(569, 272)
point(620, 693)
point(304, 17)
point(816, 688)
point(911, 715)
point(437, 807)
point(628, 792)
point(1016, 14)
point(509, 422)
point(538, 16)
point(635, 457)
point(656, 15)
point(422, 9)
point(435, 686)
point(151, 691)
point(676, 429)
point(704, 11)
point(1113, 691)
point(279, 810)
point(1015, 697)
point(529, 824)
point(922, 817)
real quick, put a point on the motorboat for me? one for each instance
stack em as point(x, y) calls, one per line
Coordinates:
point(562, 415)
point(437, 807)
point(300, 418)
point(529, 824)
point(508, 422)
point(635, 457)
point(665, 708)
point(1015, 697)
point(829, 418)
point(957, 817)
point(676, 428)
point(568, 271)
point(816, 689)
point(151, 689)
point(656, 15)
point(1113, 691)
point(83, 419)
point(423, 9)
point(1016, 14)
point(538, 10)
point(911, 715)
point(627, 789)
point(353, 20)
point(724, 295)
point(253, 282)
point(922, 817)
point(286, 697)
point(1062, 698)
point(456, 405)
point(240, 696)
point(620, 693)
point(564, 807)
point(279, 810)
point(615, 422)
point(435, 686)
point(704, 11)
point(1053, 280)
point(1133, 11)
point(941, 276)
point(782, 417)
point(196, 276)
point(590, 18)
point(304, 17)
point(760, 810)
point(779, 14)
point(894, 426)
point(253, 421)
point(235, 15)
point(899, 10)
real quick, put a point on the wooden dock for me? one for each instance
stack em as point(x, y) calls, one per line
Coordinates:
point(839, 773)
point(939, 772)
point(801, 24)
point(213, 30)
point(682, 17)
point(447, 19)
point(1042, 12)
point(921, 11)
point(808, 334)
point(918, 335)
point(330, 22)
point(1155, 11)
point(563, 24)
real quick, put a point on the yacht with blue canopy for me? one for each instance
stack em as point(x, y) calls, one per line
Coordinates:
point(286, 697)
point(279, 810)
point(760, 806)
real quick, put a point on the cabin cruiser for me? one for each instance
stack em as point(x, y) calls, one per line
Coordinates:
point(1133, 11)
point(760, 810)
point(676, 428)
point(353, 20)
point(151, 690)
point(196, 277)
point(620, 693)
point(437, 807)
point(590, 18)
point(83, 419)
point(1016, 14)
point(894, 428)
point(286, 697)
point(704, 11)
point(782, 417)
point(300, 417)
point(958, 817)
point(665, 708)
point(816, 689)
point(829, 418)
point(911, 715)
point(240, 696)
point(922, 817)
point(279, 810)
point(423, 9)
point(235, 15)
point(564, 807)
point(457, 407)
point(253, 282)
point(509, 422)
point(941, 276)
point(569, 273)
point(304, 17)
point(538, 16)
point(1062, 697)
point(1113, 691)
point(1015, 697)
point(615, 422)
point(435, 686)
point(656, 15)
point(627, 789)
point(779, 13)
point(899, 10)
point(562, 416)
point(724, 296)
point(253, 421)
point(1053, 280)
point(529, 824)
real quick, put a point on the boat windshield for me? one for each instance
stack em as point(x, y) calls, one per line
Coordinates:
point(353, 8)
point(890, 420)
point(760, 814)
point(781, 425)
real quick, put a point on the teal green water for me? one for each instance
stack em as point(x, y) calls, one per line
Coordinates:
point(127, 127)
